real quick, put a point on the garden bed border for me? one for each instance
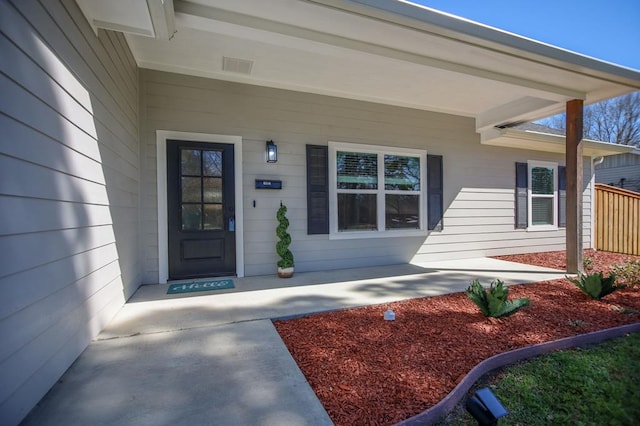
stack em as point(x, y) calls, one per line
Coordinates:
point(504, 359)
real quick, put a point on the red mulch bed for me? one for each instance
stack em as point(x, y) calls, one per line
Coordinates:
point(367, 371)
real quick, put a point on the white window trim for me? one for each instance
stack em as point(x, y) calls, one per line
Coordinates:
point(546, 164)
point(334, 234)
point(161, 182)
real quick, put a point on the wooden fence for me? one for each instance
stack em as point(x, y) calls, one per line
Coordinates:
point(617, 220)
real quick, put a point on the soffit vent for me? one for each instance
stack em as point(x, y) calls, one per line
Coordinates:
point(240, 66)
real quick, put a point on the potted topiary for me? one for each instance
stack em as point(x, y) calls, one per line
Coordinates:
point(285, 264)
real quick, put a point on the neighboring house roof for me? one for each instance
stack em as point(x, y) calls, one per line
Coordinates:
point(382, 51)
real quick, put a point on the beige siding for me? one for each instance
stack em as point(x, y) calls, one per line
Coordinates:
point(479, 216)
point(69, 192)
point(479, 180)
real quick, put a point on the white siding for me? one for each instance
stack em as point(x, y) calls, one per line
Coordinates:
point(479, 180)
point(69, 192)
point(617, 167)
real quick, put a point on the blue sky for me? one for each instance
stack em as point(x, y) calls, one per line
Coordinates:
point(605, 29)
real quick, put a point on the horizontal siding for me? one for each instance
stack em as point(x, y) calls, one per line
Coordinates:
point(480, 221)
point(175, 102)
point(479, 180)
point(69, 192)
point(613, 176)
point(620, 160)
point(616, 167)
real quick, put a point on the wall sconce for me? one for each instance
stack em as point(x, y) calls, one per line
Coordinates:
point(272, 152)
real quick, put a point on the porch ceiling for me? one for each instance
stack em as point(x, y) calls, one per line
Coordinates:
point(383, 51)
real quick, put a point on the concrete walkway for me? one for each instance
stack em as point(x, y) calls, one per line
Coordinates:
point(215, 358)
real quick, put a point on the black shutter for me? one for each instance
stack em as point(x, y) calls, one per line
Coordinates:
point(562, 196)
point(317, 189)
point(521, 195)
point(435, 192)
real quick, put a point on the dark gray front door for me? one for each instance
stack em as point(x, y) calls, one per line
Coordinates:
point(201, 209)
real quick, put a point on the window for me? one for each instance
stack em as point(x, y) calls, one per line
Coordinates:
point(543, 194)
point(540, 195)
point(201, 189)
point(376, 191)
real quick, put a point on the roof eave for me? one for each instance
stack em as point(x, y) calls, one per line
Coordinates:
point(536, 141)
point(408, 14)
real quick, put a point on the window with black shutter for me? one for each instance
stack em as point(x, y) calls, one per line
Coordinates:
point(375, 191)
point(547, 193)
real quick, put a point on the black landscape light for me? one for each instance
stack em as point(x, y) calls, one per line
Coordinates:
point(272, 152)
point(485, 407)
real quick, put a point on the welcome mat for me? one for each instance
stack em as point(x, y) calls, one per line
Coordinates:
point(199, 286)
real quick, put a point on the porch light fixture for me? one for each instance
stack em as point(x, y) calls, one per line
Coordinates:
point(272, 152)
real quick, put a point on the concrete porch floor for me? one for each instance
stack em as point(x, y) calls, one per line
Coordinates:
point(215, 357)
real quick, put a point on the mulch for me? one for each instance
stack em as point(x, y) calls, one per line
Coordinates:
point(367, 371)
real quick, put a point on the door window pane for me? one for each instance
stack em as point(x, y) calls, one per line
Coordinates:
point(357, 170)
point(201, 180)
point(212, 163)
point(401, 173)
point(190, 162)
point(542, 180)
point(191, 192)
point(402, 211)
point(213, 218)
point(212, 190)
point(357, 212)
point(191, 217)
point(542, 211)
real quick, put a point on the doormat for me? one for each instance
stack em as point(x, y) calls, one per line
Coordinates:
point(199, 286)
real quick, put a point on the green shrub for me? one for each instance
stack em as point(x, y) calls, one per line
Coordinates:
point(282, 246)
point(494, 303)
point(628, 273)
point(596, 285)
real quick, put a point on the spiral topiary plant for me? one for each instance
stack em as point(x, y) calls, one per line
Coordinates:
point(282, 246)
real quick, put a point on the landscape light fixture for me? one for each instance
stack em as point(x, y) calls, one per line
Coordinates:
point(272, 152)
point(485, 407)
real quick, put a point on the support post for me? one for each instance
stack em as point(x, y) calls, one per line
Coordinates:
point(574, 171)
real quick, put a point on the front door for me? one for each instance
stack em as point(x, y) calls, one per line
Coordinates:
point(201, 209)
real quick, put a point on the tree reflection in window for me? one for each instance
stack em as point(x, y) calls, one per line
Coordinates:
point(201, 189)
point(362, 200)
point(401, 173)
point(357, 170)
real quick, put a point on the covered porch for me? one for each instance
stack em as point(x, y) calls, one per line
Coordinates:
point(216, 357)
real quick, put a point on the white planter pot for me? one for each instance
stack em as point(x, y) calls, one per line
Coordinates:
point(285, 272)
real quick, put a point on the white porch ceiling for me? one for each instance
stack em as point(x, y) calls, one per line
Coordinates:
point(382, 51)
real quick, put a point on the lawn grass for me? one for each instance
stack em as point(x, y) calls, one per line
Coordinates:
point(597, 385)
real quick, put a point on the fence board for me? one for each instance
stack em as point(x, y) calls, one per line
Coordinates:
point(617, 220)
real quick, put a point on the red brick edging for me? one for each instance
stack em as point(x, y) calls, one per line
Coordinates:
point(434, 413)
